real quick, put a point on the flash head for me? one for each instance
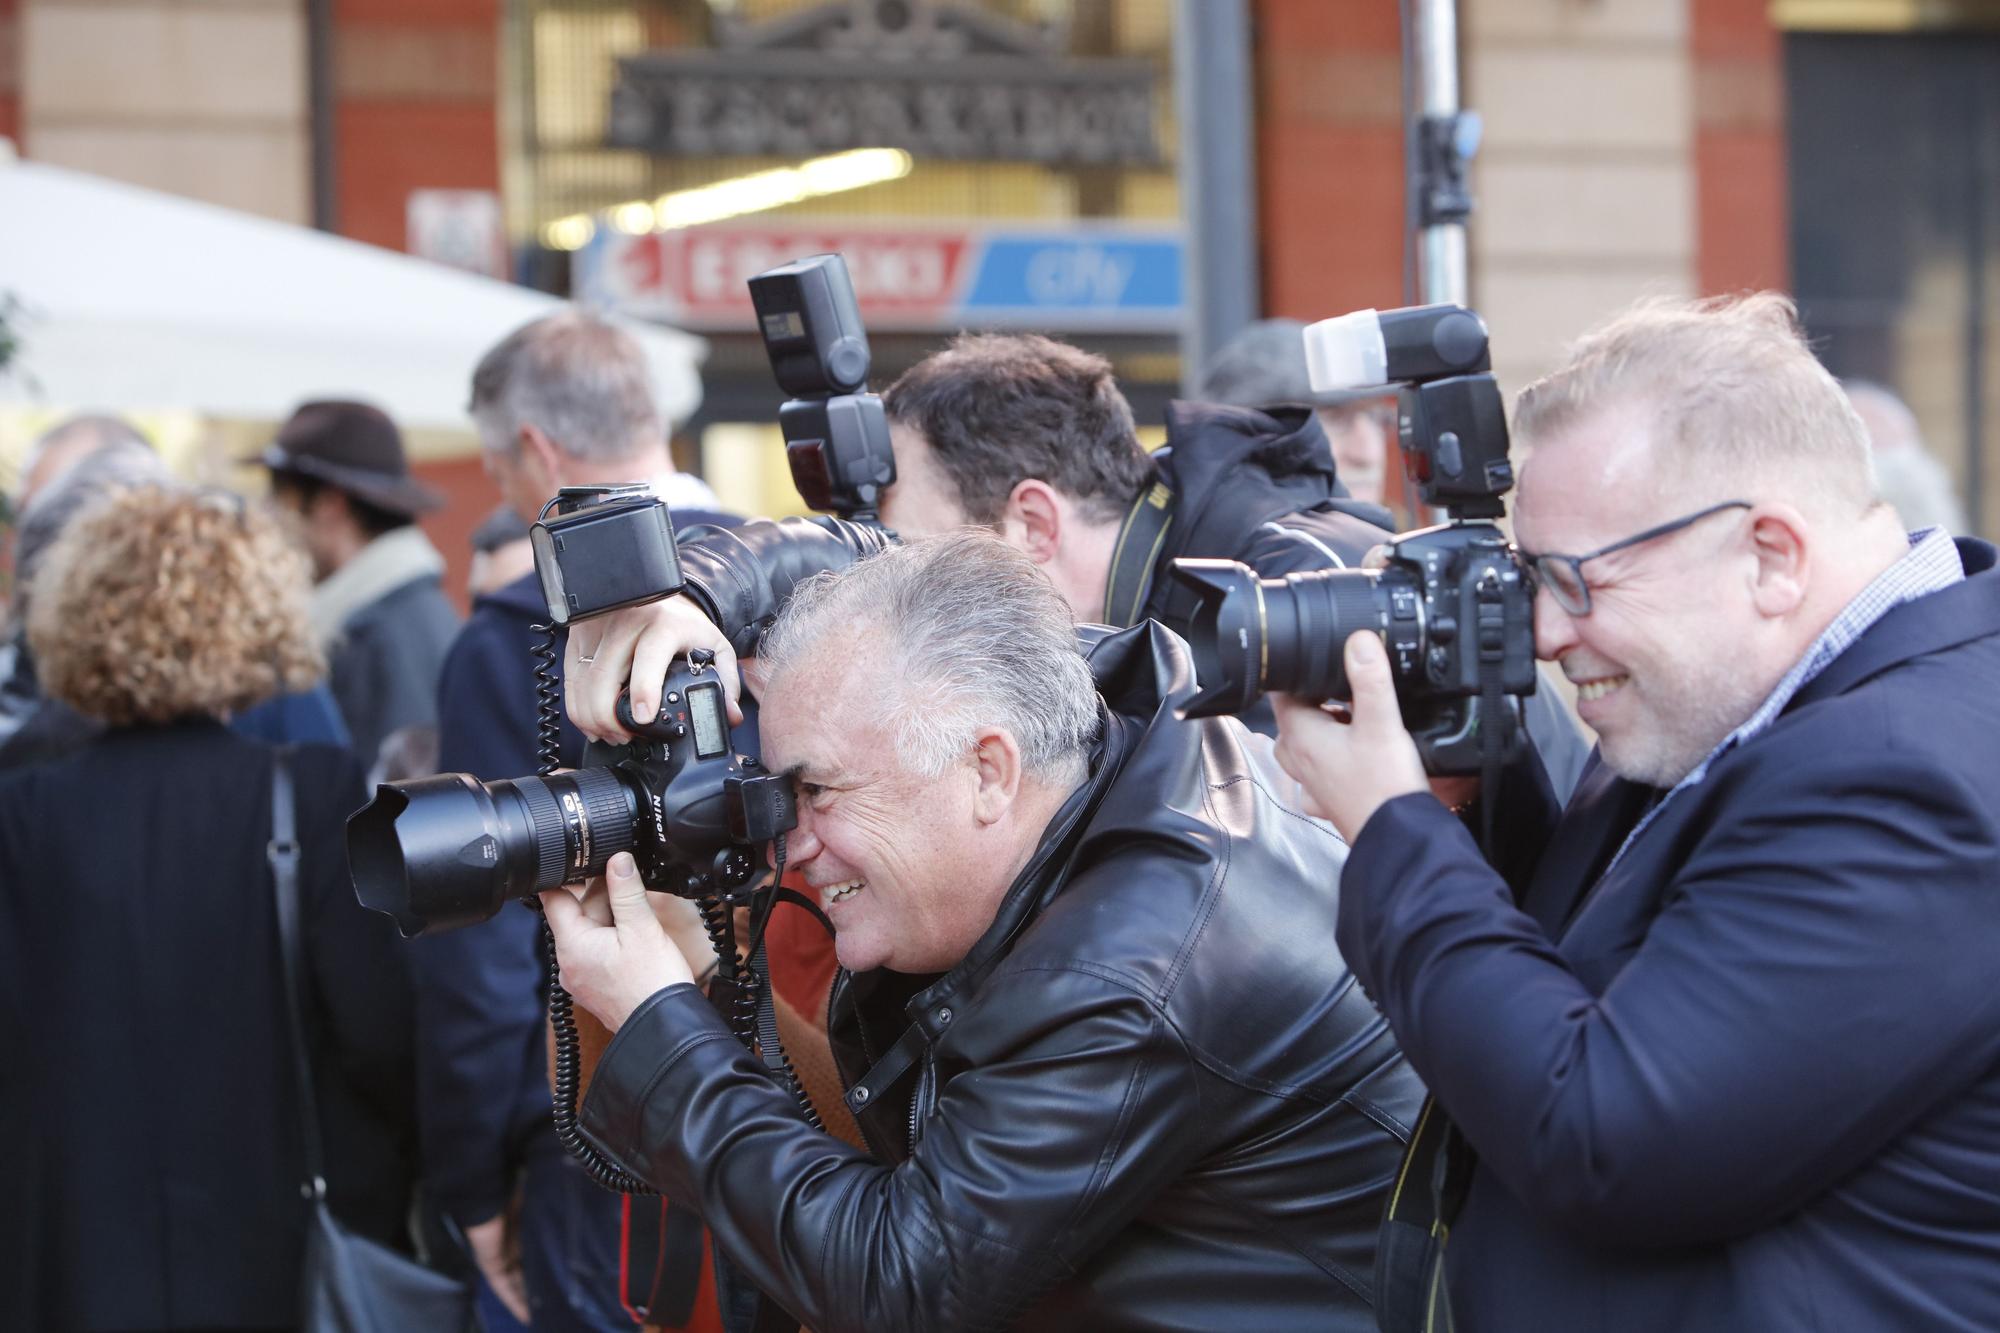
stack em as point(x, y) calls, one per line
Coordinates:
point(606, 547)
point(811, 326)
point(1376, 348)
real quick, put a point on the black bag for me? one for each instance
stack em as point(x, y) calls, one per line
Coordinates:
point(348, 1283)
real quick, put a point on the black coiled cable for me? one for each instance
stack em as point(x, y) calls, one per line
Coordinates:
point(562, 1009)
point(716, 919)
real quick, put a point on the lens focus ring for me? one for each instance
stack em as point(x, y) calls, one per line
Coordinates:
point(546, 820)
point(608, 809)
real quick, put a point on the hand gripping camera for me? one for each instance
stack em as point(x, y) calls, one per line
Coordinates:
point(451, 850)
point(1453, 603)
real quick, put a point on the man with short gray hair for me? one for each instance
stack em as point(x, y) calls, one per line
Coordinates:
point(1111, 1072)
point(1730, 1058)
point(566, 400)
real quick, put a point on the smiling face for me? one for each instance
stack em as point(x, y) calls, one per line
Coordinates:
point(1667, 663)
point(911, 869)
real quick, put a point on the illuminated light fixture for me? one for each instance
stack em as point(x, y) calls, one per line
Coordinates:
point(763, 190)
point(634, 219)
point(570, 233)
point(754, 193)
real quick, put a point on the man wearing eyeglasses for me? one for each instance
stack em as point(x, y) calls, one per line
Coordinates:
point(1733, 1061)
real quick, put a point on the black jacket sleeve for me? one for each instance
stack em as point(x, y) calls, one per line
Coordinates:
point(1031, 1163)
point(743, 576)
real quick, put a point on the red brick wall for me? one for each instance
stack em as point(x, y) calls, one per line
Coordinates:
point(1742, 212)
point(1329, 156)
point(10, 70)
point(469, 498)
point(416, 106)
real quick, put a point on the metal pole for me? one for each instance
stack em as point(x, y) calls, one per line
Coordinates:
point(1443, 147)
point(319, 114)
point(1217, 177)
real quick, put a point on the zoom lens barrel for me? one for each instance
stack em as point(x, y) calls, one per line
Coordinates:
point(450, 850)
point(1252, 635)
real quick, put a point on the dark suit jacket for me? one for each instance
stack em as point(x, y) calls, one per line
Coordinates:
point(384, 667)
point(147, 1108)
point(481, 1054)
point(1756, 1083)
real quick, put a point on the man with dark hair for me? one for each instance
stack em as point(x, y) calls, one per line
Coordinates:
point(1031, 438)
point(338, 469)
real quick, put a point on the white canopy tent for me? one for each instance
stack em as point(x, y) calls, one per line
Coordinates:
point(133, 300)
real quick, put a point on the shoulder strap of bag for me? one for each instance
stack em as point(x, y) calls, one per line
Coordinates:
point(283, 854)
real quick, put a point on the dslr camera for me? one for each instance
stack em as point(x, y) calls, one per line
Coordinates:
point(451, 850)
point(1453, 603)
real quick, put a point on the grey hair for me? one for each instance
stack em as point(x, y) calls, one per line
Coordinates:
point(1736, 394)
point(120, 464)
point(581, 381)
point(96, 431)
point(971, 635)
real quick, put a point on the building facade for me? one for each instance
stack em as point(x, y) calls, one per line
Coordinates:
point(649, 154)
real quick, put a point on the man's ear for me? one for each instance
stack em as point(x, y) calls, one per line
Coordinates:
point(542, 458)
point(1032, 522)
point(1781, 541)
point(996, 763)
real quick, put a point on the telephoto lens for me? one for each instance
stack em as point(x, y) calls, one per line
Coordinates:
point(1251, 635)
point(451, 851)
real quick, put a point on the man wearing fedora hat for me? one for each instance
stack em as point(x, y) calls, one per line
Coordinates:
point(339, 471)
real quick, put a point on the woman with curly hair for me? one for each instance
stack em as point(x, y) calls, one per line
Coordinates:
point(147, 1104)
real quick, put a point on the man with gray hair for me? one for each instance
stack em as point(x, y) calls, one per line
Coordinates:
point(1906, 472)
point(566, 400)
point(1110, 1070)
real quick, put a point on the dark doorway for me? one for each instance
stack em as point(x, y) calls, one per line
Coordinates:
point(1895, 187)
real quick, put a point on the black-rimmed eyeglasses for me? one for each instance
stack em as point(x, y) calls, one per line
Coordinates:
point(1562, 575)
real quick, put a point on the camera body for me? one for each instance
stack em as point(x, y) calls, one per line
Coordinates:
point(1452, 603)
point(451, 850)
point(703, 808)
point(836, 434)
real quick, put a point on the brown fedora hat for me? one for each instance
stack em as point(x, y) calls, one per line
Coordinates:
point(351, 447)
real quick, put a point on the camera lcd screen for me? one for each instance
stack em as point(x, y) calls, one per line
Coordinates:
point(784, 324)
point(705, 710)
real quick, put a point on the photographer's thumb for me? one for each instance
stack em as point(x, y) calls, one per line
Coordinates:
point(1374, 691)
point(627, 893)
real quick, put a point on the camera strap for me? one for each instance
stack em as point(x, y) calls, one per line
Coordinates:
point(1497, 719)
point(1140, 540)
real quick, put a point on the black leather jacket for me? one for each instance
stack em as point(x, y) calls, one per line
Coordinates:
point(1152, 1095)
